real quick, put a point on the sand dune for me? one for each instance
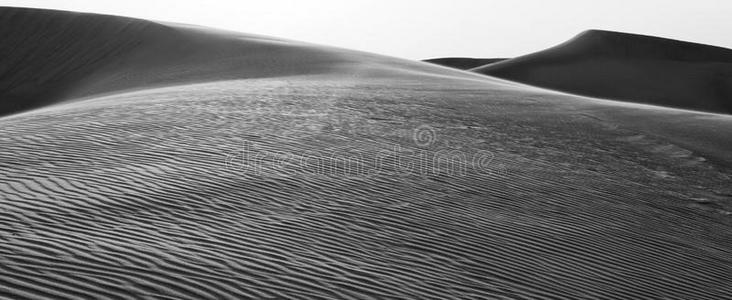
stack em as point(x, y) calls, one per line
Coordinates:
point(49, 56)
point(463, 63)
point(629, 67)
point(210, 186)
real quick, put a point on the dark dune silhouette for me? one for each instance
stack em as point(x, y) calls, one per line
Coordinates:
point(167, 161)
point(629, 67)
point(463, 63)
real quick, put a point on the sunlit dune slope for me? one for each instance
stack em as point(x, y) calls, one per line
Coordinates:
point(49, 56)
point(629, 67)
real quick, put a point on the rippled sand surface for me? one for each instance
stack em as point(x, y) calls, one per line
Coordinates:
point(382, 188)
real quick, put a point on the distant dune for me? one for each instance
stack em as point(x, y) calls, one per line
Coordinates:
point(141, 160)
point(463, 63)
point(629, 67)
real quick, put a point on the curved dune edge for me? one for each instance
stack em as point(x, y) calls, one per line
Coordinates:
point(629, 67)
point(51, 56)
point(463, 63)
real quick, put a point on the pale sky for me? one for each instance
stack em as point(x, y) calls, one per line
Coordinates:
point(426, 29)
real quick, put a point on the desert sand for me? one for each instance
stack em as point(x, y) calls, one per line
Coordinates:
point(629, 67)
point(51, 56)
point(143, 160)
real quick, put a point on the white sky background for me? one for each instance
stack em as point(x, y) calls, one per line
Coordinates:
point(426, 29)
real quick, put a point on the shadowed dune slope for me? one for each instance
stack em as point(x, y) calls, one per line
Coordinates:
point(463, 63)
point(48, 56)
point(629, 67)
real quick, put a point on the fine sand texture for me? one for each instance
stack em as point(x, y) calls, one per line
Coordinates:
point(463, 63)
point(297, 171)
point(629, 67)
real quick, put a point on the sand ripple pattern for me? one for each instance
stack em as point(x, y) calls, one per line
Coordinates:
point(130, 197)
